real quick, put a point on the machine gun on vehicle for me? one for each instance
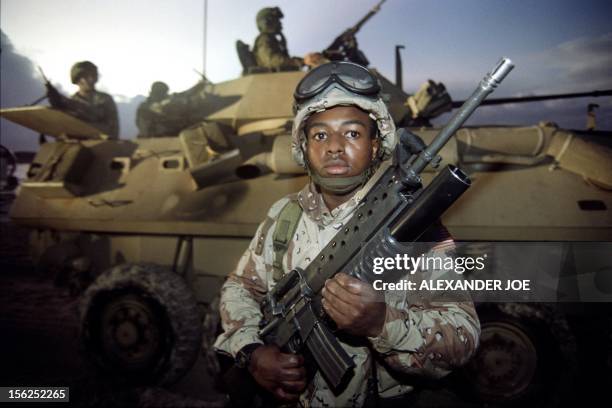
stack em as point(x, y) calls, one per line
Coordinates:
point(345, 48)
point(395, 209)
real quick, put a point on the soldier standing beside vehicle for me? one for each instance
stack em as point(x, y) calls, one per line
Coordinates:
point(341, 133)
point(88, 104)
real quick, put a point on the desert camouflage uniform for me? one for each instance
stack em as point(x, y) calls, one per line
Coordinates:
point(99, 110)
point(150, 122)
point(270, 51)
point(421, 335)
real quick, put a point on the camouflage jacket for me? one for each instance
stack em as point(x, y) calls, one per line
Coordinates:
point(271, 52)
point(99, 110)
point(421, 335)
point(150, 121)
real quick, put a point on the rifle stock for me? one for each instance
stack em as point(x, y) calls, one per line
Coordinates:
point(395, 209)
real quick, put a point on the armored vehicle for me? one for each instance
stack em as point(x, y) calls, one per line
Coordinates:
point(146, 229)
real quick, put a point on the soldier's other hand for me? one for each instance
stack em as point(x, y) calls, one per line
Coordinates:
point(354, 305)
point(314, 59)
point(280, 373)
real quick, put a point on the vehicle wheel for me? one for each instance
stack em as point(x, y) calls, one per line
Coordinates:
point(526, 356)
point(140, 324)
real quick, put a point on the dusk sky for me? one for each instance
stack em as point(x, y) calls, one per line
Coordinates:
point(557, 46)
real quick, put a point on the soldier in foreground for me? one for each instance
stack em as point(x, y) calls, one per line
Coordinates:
point(342, 132)
point(88, 104)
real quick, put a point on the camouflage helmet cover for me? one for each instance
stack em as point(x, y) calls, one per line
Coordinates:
point(266, 16)
point(159, 88)
point(82, 68)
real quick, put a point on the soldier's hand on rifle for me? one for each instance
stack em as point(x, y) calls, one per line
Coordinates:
point(281, 374)
point(354, 305)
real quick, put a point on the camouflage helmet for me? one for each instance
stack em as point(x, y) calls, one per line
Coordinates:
point(336, 95)
point(82, 68)
point(266, 17)
point(159, 89)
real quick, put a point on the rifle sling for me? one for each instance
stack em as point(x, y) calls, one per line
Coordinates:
point(286, 224)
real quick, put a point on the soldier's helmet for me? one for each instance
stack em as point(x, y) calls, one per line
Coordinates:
point(158, 90)
point(268, 20)
point(81, 69)
point(341, 84)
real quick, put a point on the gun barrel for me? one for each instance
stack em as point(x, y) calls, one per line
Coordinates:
point(42, 73)
point(365, 18)
point(486, 86)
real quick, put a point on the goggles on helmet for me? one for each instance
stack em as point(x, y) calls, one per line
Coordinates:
point(353, 77)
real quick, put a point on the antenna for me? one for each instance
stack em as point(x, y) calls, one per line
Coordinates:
point(204, 37)
point(398, 67)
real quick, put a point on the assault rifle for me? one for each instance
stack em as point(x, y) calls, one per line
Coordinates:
point(395, 209)
point(345, 48)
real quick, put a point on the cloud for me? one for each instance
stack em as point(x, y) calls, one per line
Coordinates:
point(588, 47)
point(583, 62)
point(567, 113)
point(19, 85)
point(579, 65)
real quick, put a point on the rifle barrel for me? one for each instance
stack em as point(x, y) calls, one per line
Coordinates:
point(486, 86)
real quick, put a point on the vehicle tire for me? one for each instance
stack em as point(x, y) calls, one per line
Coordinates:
point(140, 324)
point(527, 356)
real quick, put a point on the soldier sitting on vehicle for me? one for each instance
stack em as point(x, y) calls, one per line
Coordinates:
point(88, 104)
point(149, 120)
point(270, 47)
